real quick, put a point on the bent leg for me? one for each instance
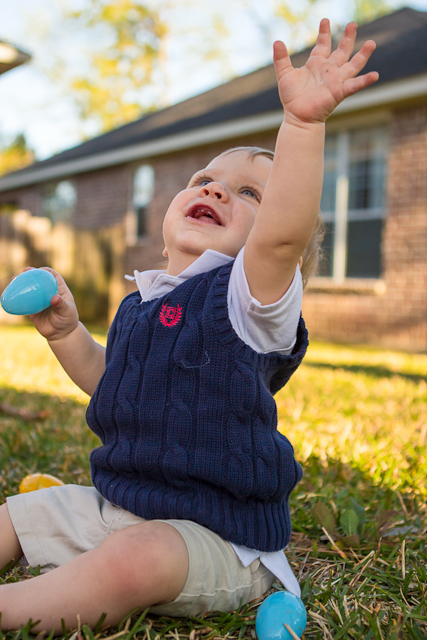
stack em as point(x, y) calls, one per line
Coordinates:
point(137, 567)
point(10, 549)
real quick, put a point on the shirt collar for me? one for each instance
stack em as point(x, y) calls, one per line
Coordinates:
point(155, 282)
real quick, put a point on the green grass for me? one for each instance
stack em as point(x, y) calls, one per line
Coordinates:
point(357, 418)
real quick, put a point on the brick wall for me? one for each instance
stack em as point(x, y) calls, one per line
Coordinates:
point(102, 197)
point(398, 317)
point(27, 198)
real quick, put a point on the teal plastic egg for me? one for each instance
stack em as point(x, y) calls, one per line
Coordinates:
point(30, 292)
point(279, 608)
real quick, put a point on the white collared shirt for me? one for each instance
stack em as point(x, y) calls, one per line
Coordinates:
point(265, 328)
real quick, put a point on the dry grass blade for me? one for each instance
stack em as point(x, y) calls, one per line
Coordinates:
point(402, 503)
point(337, 549)
point(403, 559)
point(359, 575)
point(291, 631)
point(317, 617)
point(25, 415)
point(117, 635)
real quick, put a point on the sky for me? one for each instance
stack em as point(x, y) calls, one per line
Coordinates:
point(33, 104)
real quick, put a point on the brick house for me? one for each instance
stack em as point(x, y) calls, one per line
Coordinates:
point(95, 211)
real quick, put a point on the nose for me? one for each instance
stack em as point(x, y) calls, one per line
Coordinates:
point(214, 190)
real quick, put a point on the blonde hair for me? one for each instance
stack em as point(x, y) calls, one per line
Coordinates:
point(312, 255)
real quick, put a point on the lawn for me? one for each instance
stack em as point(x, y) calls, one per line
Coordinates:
point(357, 418)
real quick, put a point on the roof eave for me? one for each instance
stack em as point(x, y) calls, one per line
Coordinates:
point(388, 93)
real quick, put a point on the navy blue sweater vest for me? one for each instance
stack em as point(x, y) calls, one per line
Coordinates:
point(187, 418)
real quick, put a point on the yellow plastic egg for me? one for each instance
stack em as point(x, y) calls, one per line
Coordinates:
point(38, 481)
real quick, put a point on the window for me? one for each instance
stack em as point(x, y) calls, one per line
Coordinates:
point(353, 203)
point(143, 187)
point(58, 201)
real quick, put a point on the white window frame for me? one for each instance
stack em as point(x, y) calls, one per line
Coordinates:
point(71, 206)
point(340, 217)
point(142, 200)
point(341, 209)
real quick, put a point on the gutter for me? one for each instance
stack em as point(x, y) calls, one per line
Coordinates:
point(130, 153)
point(384, 94)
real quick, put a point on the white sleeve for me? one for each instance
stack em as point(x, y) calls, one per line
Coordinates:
point(265, 328)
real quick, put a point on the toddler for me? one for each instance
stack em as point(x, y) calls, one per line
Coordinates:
point(189, 511)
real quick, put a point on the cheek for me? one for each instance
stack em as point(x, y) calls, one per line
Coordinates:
point(243, 229)
point(175, 208)
point(177, 203)
point(247, 221)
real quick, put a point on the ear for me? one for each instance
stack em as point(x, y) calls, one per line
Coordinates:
point(300, 262)
point(165, 252)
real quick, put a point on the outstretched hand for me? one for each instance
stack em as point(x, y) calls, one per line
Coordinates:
point(311, 93)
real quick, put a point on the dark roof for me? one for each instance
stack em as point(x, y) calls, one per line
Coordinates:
point(401, 52)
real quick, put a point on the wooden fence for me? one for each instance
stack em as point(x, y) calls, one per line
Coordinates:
point(91, 262)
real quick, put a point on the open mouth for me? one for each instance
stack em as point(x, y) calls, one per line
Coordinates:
point(204, 213)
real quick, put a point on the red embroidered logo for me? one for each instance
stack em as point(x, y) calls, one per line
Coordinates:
point(170, 316)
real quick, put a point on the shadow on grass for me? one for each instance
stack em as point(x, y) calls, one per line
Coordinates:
point(337, 482)
point(58, 443)
point(61, 442)
point(374, 371)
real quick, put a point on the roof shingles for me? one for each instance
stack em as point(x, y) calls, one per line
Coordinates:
point(401, 52)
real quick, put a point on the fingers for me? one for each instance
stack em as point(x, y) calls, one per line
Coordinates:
point(58, 303)
point(341, 56)
point(353, 85)
point(62, 285)
point(323, 42)
point(359, 60)
point(281, 59)
point(351, 67)
point(345, 47)
point(56, 275)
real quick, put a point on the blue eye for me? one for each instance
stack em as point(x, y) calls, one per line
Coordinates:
point(200, 181)
point(250, 192)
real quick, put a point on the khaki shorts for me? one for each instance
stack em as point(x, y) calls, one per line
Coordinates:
point(55, 525)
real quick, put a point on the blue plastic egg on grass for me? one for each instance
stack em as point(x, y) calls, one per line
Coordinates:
point(277, 610)
point(30, 292)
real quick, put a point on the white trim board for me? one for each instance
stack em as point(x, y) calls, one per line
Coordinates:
point(176, 142)
point(386, 94)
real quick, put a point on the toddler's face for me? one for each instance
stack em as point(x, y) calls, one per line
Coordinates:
point(217, 209)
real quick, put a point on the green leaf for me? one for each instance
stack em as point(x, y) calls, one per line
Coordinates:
point(352, 541)
point(360, 512)
point(324, 516)
point(349, 522)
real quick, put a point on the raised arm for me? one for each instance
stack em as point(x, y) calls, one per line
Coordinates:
point(290, 204)
point(82, 358)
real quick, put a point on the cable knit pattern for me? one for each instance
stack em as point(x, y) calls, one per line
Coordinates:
point(187, 418)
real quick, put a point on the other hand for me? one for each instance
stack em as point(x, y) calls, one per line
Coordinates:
point(58, 320)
